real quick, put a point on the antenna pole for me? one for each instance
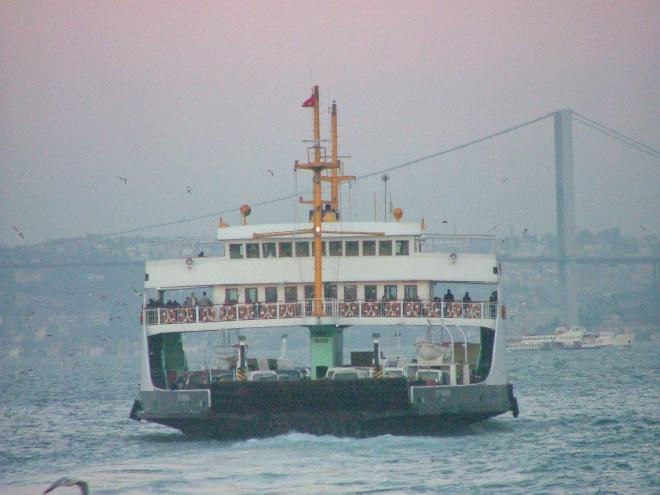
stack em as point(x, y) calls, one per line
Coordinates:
point(317, 126)
point(334, 191)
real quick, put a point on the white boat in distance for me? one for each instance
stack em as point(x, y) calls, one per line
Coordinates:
point(571, 338)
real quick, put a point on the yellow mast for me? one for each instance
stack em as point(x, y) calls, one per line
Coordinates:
point(317, 166)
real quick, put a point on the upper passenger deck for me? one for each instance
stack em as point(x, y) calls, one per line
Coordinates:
point(352, 252)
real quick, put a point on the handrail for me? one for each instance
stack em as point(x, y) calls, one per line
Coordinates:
point(335, 308)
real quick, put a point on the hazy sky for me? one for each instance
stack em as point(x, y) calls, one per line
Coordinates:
point(208, 94)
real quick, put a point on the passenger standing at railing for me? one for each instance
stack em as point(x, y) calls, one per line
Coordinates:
point(204, 300)
point(448, 297)
point(493, 304)
point(466, 297)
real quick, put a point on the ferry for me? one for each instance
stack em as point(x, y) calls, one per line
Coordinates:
point(325, 275)
point(573, 337)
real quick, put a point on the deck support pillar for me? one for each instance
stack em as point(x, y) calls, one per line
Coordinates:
point(326, 347)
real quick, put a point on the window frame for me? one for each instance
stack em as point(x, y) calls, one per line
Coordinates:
point(241, 249)
point(298, 245)
point(353, 289)
point(280, 249)
point(369, 287)
point(248, 245)
point(385, 243)
point(265, 245)
point(365, 251)
point(228, 291)
point(403, 243)
point(352, 243)
point(287, 291)
point(268, 293)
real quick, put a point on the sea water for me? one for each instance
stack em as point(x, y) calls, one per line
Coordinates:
point(589, 423)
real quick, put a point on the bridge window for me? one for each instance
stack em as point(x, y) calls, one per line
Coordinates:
point(286, 249)
point(231, 296)
point(385, 248)
point(271, 294)
point(302, 249)
point(322, 249)
point(370, 293)
point(251, 295)
point(291, 293)
point(236, 251)
point(309, 292)
point(410, 293)
point(368, 248)
point(252, 250)
point(352, 248)
point(390, 293)
point(402, 248)
point(268, 249)
point(350, 292)
point(330, 291)
point(335, 248)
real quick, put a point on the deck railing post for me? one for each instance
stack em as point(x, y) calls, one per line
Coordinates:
point(158, 314)
point(196, 313)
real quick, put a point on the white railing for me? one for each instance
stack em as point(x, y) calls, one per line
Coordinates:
point(331, 308)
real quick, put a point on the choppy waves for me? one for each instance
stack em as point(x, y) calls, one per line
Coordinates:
point(589, 423)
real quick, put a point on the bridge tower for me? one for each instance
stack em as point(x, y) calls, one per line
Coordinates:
point(565, 216)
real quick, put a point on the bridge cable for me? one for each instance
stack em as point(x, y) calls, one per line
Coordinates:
point(360, 177)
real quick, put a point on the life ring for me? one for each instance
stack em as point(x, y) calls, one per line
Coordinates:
point(269, 311)
point(246, 312)
point(186, 315)
point(412, 309)
point(473, 310)
point(228, 313)
point(369, 309)
point(166, 316)
point(454, 310)
point(208, 314)
point(348, 310)
point(392, 309)
point(432, 309)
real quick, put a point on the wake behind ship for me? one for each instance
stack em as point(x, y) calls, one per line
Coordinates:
point(325, 275)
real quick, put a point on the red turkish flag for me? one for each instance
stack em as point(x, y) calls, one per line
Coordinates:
point(310, 102)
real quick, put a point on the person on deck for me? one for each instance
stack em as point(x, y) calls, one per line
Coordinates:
point(466, 297)
point(448, 297)
point(204, 300)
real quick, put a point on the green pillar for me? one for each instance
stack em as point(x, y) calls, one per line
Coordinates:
point(327, 348)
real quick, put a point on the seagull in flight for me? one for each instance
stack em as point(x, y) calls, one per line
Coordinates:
point(493, 228)
point(84, 487)
point(272, 174)
point(525, 231)
point(122, 179)
point(188, 189)
point(20, 234)
point(444, 221)
point(643, 228)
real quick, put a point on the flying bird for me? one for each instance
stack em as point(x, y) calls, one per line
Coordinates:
point(504, 179)
point(643, 228)
point(493, 228)
point(84, 487)
point(188, 189)
point(20, 234)
point(122, 179)
point(272, 174)
point(525, 231)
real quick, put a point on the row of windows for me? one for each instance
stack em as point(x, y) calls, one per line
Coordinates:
point(370, 293)
point(301, 249)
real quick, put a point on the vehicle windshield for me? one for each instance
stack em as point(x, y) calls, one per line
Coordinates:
point(393, 373)
point(427, 375)
point(351, 375)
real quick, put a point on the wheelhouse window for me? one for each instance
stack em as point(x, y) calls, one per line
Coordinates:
point(309, 292)
point(330, 291)
point(285, 249)
point(352, 248)
point(231, 296)
point(252, 250)
point(236, 251)
point(385, 248)
point(271, 294)
point(335, 248)
point(390, 293)
point(268, 249)
point(291, 293)
point(302, 249)
point(370, 292)
point(410, 293)
point(402, 248)
point(251, 295)
point(368, 248)
point(323, 251)
point(350, 292)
